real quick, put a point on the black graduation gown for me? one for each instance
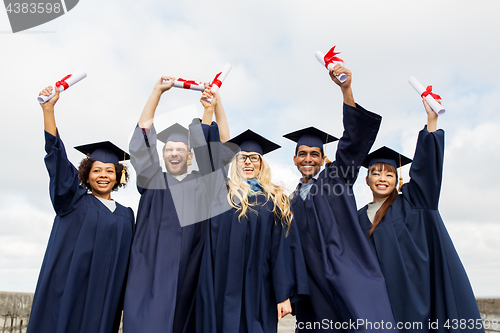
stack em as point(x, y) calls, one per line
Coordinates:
point(165, 257)
point(249, 266)
point(81, 282)
point(425, 278)
point(344, 276)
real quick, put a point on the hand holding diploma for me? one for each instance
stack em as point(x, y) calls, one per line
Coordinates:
point(187, 84)
point(328, 61)
point(219, 78)
point(200, 86)
point(51, 102)
point(64, 84)
point(49, 121)
point(340, 71)
point(429, 96)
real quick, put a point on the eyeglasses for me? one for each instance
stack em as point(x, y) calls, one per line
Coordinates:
point(254, 158)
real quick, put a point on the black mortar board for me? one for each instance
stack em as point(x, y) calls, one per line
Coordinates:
point(251, 141)
point(386, 155)
point(105, 152)
point(176, 133)
point(311, 137)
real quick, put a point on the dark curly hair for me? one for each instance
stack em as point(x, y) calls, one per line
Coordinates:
point(84, 171)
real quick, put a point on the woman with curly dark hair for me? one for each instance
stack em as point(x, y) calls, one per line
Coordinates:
point(86, 165)
point(82, 279)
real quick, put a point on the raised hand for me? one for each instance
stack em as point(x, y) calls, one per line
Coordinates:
point(336, 71)
point(164, 83)
point(432, 117)
point(344, 86)
point(51, 102)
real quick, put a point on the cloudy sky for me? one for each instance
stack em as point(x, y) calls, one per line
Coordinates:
point(276, 86)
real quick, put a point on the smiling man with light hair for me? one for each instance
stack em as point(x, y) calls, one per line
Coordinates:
point(174, 206)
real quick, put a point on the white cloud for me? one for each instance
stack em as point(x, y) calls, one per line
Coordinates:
point(477, 246)
point(25, 233)
point(470, 187)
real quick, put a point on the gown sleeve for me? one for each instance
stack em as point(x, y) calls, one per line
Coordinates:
point(202, 137)
point(289, 272)
point(145, 160)
point(360, 130)
point(210, 153)
point(65, 189)
point(426, 171)
point(211, 157)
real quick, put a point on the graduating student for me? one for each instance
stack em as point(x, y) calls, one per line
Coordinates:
point(167, 247)
point(82, 279)
point(346, 284)
point(427, 284)
point(252, 267)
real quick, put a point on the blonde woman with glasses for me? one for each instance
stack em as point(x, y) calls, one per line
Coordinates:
point(252, 266)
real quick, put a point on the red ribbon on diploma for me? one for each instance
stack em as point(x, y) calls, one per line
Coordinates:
point(428, 91)
point(187, 83)
point(216, 80)
point(63, 82)
point(330, 57)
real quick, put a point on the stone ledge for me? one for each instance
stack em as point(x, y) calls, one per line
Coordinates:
point(15, 304)
point(489, 305)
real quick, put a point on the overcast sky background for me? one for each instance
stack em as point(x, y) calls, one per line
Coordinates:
point(276, 86)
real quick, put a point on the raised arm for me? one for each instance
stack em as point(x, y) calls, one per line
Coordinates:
point(49, 120)
point(143, 154)
point(148, 113)
point(426, 170)
point(221, 120)
point(344, 86)
point(220, 115)
point(432, 117)
point(211, 132)
point(64, 187)
point(360, 130)
point(209, 108)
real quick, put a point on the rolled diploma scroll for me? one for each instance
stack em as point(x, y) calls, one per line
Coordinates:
point(438, 108)
point(321, 58)
point(187, 84)
point(222, 76)
point(71, 80)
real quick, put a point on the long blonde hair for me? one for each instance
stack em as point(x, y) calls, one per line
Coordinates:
point(239, 191)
